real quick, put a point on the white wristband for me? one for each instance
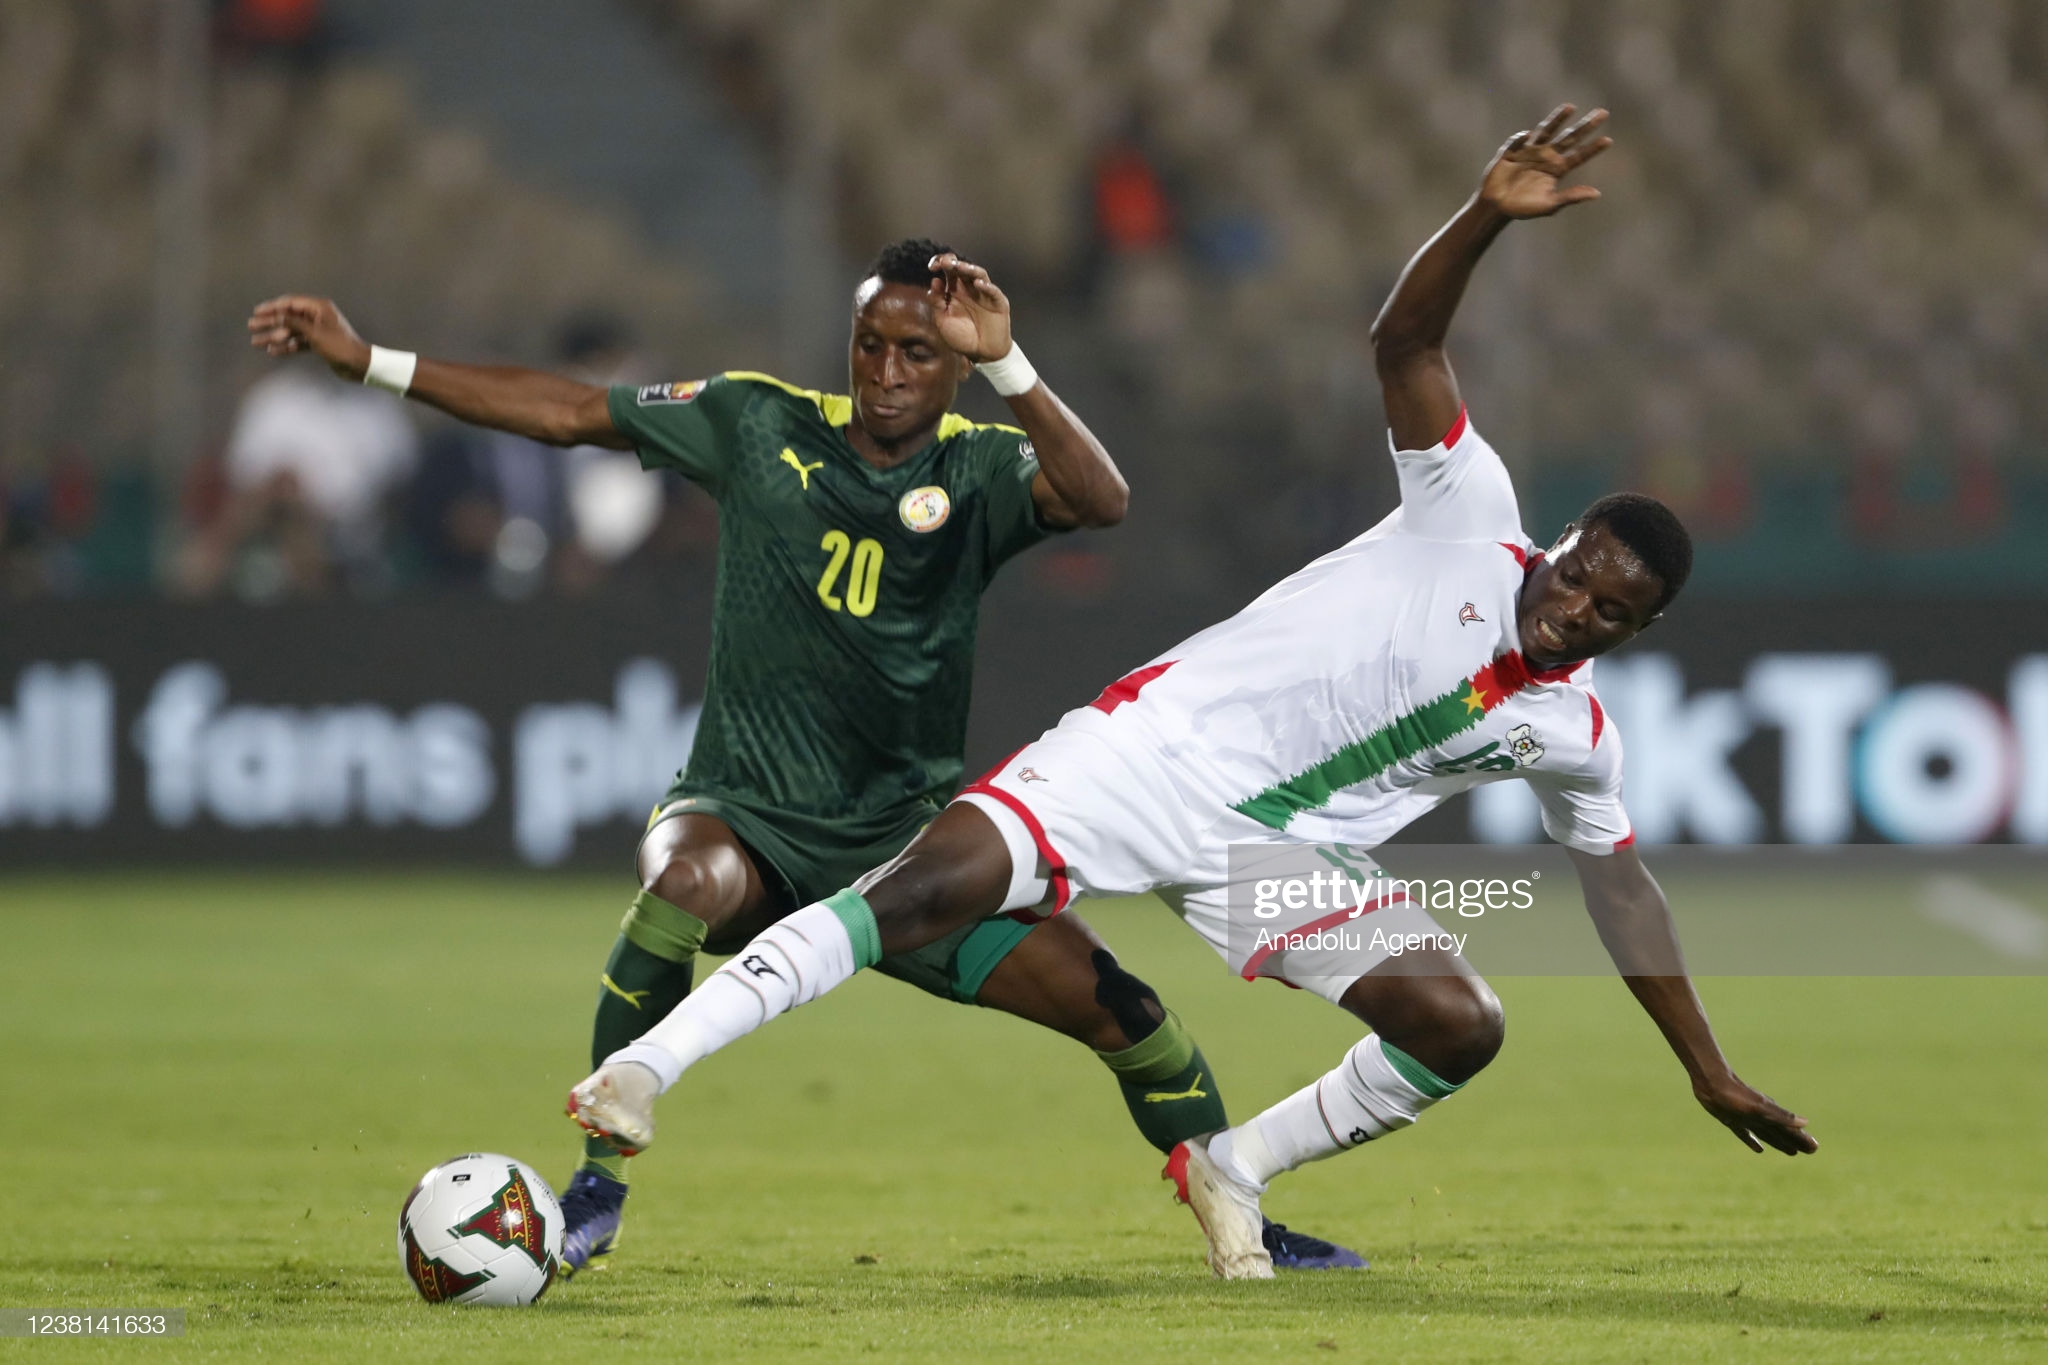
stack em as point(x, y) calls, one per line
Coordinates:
point(390, 370)
point(1010, 375)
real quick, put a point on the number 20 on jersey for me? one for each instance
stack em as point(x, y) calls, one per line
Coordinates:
point(862, 582)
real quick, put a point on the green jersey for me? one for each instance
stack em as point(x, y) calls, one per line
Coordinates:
point(842, 635)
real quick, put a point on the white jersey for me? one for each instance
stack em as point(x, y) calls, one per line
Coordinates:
point(1357, 694)
point(1346, 701)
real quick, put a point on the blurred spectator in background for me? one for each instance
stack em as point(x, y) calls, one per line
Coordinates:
point(1135, 269)
point(42, 523)
point(614, 505)
point(292, 28)
point(509, 512)
point(300, 497)
point(1132, 211)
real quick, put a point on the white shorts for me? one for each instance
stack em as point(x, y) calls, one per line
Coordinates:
point(1082, 817)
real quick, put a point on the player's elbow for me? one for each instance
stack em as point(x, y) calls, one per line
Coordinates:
point(580, 421)
point(1395, 352)
point(562, 424)
point(1107, 506)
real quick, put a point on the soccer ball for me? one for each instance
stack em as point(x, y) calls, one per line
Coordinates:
point(481, 1229)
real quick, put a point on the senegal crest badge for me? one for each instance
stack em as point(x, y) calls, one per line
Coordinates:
point(926, 508)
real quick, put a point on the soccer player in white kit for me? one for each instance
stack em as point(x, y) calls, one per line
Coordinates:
point(1438, 650)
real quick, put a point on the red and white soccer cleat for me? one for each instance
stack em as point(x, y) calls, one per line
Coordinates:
point(616, 1103)
point(1227, 1209)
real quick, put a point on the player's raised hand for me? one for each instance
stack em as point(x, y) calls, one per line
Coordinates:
point(1754, 1117)
point(291, 323)
point(1522, 181)
point(973, 315)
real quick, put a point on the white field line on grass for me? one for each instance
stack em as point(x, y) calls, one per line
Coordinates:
point(2006, 926)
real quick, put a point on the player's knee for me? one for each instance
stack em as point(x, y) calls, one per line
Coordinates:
point(690, 886)
point(1132, 1009)
point(1452, 1024)
point(1470, 1025)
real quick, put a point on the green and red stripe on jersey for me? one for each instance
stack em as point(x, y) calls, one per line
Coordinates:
point(1426, 727)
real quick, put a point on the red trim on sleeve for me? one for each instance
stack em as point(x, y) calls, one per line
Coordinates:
point(1457, 430)
point(1062, 889)
point(1127, 687)
point(1599, 719)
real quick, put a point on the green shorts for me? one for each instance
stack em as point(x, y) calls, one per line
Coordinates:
point(806, 858)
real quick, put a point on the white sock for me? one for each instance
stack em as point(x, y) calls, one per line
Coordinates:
point(1367, 1095)
point(790, 963)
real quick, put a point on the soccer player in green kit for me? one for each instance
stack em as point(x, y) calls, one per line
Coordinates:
point(856, 534)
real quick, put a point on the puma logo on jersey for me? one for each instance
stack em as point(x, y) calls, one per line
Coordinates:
point(803, 471)
point(632, 998)
point(1031, 775)
point(1193, 1092)
point(1469, 614)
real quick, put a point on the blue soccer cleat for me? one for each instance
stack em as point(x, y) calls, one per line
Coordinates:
point(592, 1210)
point(1292, 1250)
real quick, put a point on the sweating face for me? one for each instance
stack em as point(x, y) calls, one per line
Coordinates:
point(903, 375)
point(1585, 597)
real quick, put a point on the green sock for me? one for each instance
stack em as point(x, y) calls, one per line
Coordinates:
point(648, 974)
point(1167, 1086)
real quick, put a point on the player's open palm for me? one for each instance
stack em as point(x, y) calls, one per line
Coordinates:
point(973, 315)
point(1523, 181)
point(291, 323)
point(1754, 1117)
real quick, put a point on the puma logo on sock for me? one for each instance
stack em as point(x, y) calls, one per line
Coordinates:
point(632, 998)
point(1193, 1092)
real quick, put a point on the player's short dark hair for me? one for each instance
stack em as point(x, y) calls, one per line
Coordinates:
point(1651, 532)
point(906, 262)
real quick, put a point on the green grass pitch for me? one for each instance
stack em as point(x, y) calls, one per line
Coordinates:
point(214, 1092)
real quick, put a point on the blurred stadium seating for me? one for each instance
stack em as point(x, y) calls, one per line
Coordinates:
point(1816, 255)
point(1806, 312)
point(322, 178)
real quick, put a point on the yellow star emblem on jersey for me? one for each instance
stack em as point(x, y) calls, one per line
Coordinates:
point(803, 471)
point(1475, 699)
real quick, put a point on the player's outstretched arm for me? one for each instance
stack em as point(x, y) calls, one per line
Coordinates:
point(532, 403)
point(1629, 910)
point(1077, 484)
point(1522, 181)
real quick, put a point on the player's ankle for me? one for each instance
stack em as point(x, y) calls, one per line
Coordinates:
point(610, 1163)
point(1241, 1154)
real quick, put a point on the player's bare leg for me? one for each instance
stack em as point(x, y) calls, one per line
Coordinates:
point(1436, 1024)
point(698, 882)
point(1436, 1009)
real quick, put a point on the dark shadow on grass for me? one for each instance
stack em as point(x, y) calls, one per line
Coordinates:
point(1387, 1294)
point(1067, 1286)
